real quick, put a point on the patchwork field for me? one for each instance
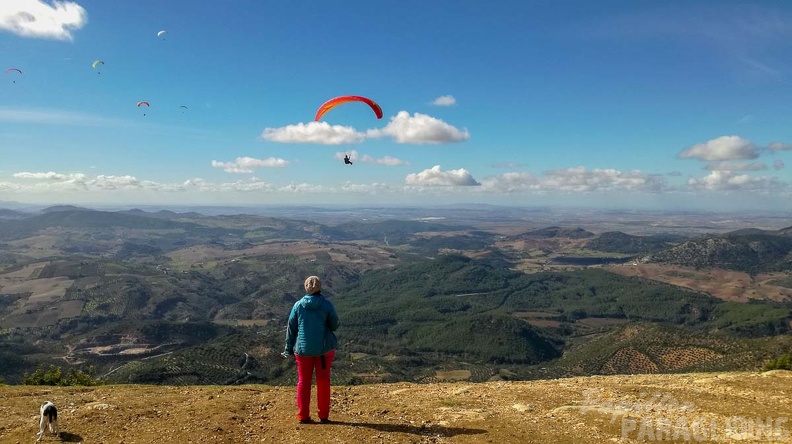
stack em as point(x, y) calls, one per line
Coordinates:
point(37, 301)
point(362, 254)
point(724, 284)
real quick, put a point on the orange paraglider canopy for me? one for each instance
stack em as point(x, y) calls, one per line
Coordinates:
point(332, 103)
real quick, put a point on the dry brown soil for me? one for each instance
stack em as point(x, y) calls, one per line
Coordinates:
point(598, 409)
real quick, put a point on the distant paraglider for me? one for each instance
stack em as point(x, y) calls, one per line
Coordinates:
point(346, 160)
point(162, 33)
point(139, 104)
point(183, 107)
point(332, 103)
point(9, 70)
point(96, 65)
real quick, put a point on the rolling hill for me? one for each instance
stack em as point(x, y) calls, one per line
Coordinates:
point(203, 299)
point(753, 251)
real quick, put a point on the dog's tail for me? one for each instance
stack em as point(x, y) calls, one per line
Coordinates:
point(51, 413)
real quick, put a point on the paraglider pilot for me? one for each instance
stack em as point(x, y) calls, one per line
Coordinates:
point(346, 160)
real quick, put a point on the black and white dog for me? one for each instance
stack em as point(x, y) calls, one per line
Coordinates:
point(49, 417)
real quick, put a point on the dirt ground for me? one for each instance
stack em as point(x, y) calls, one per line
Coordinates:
point(703, 407)
point(723, 284)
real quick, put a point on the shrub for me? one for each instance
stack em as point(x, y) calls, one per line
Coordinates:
point(783, 362)
point(54, 376)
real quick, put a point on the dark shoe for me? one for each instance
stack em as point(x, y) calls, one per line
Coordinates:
point(306, 421)
point(325, 421)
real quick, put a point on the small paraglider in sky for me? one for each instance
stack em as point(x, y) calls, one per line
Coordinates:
point(183, 107)
point(332, 103)
point(96, 65)
point(346, 160)
point(162, 33)
point(141, 103)
point(13, 70)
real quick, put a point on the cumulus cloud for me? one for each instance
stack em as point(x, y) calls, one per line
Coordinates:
point(354, 156)
point(778, 146)
point(444, 101)
point(41, 19)
point(245, 186)
point(51, 175)
point(118, 183)
point(577, 180)
point(735, 166)
point(730, 181)
point(722, 148)
point(321, 133)
point(419, 129)
point(436, 177)
point(303, 188)
point(778, 165)
point(53, 181)
point(512, 183)
point(582, 179)
point(373, 188)
point(249, 164)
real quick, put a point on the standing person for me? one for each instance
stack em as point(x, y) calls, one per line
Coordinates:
point(310, 338)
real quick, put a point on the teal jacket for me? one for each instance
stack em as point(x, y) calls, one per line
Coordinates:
point(312, 321)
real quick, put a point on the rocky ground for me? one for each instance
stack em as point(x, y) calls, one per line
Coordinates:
point(700, 407)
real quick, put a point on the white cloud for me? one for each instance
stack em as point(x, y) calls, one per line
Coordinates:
point(51, 175)
point(386, 160)
point(730, 181)
point(735, 166)
point(778, 165)
point(7, 186)
point(778, 146)
point(581, 179)
point(55, 117)
point(249, 164)
point(513, 182)
point(508, 165)
point(436, 177)
point(354, 156)
point(444, 101)
point(373, 188)
point(80, 182)
point(722, 148)
point(304, 188)
point(204, 186)
point(313, 132)
point(419, 129)
point(577, 180)
point(40, 19)
point(118, 183)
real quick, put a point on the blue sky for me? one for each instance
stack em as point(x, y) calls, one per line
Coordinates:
point(655, 105)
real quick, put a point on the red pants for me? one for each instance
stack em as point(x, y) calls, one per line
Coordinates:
point(305, 369)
